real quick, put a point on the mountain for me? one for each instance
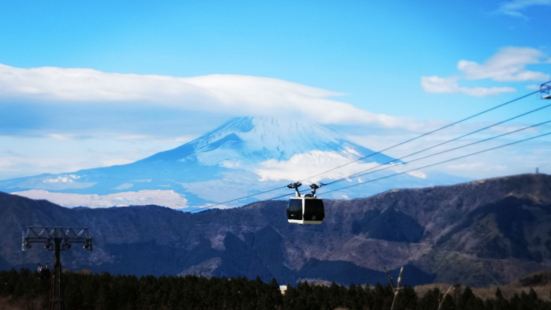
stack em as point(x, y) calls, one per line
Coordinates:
point(241, 157)
point(477, 233)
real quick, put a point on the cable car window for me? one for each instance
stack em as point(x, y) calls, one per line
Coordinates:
point(294, 211)
point(313, 210)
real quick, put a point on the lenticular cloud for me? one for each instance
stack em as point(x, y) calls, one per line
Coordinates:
point(230, 94)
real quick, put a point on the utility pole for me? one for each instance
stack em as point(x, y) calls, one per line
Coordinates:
point(56, 239)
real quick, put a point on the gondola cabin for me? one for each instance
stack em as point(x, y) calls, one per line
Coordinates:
point(305, 210)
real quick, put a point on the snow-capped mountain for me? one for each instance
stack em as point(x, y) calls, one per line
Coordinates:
point(243, 156)
point(248, 139)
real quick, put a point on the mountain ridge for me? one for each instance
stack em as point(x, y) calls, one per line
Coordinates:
point(445, 234)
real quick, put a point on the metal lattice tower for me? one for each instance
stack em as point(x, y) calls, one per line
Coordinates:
point(56, 239)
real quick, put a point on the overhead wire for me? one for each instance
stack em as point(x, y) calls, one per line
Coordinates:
point(464, 145)
point(441, 162)
point(448, 141)
point(425, 134)
point(369, 171)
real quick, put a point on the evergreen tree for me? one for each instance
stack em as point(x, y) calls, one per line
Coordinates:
point(448, 304)
point(407, 299)
point(468, 301)
point(430, 300)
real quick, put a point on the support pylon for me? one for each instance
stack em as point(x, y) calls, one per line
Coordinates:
point(56, 239)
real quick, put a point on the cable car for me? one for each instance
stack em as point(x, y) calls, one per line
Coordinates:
point(305, 209)
point(545, 90)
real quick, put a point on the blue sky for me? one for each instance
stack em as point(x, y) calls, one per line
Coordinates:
point(422, 63)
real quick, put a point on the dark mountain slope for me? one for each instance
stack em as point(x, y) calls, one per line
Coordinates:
point(503, 229)
point(476, 233)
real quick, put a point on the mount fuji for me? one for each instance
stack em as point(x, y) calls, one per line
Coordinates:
point(244, 156)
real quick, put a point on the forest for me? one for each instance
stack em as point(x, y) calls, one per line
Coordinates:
point(24, 289)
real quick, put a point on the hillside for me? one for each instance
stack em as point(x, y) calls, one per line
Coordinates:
point(476, 233)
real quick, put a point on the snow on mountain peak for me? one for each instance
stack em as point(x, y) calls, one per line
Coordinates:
point(241, 156)
point(244, 140)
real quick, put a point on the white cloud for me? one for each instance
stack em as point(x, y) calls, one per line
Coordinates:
point(74, 152)
point(509, 64)
point(60, 136)
point(230, 164)
point(418, 174)
point(443, 85)
point(515, 7)
point(63, 179)
point(305, 165)
point(167, 198)
point(523, 158)
point(124, 186)
point(230, 94)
